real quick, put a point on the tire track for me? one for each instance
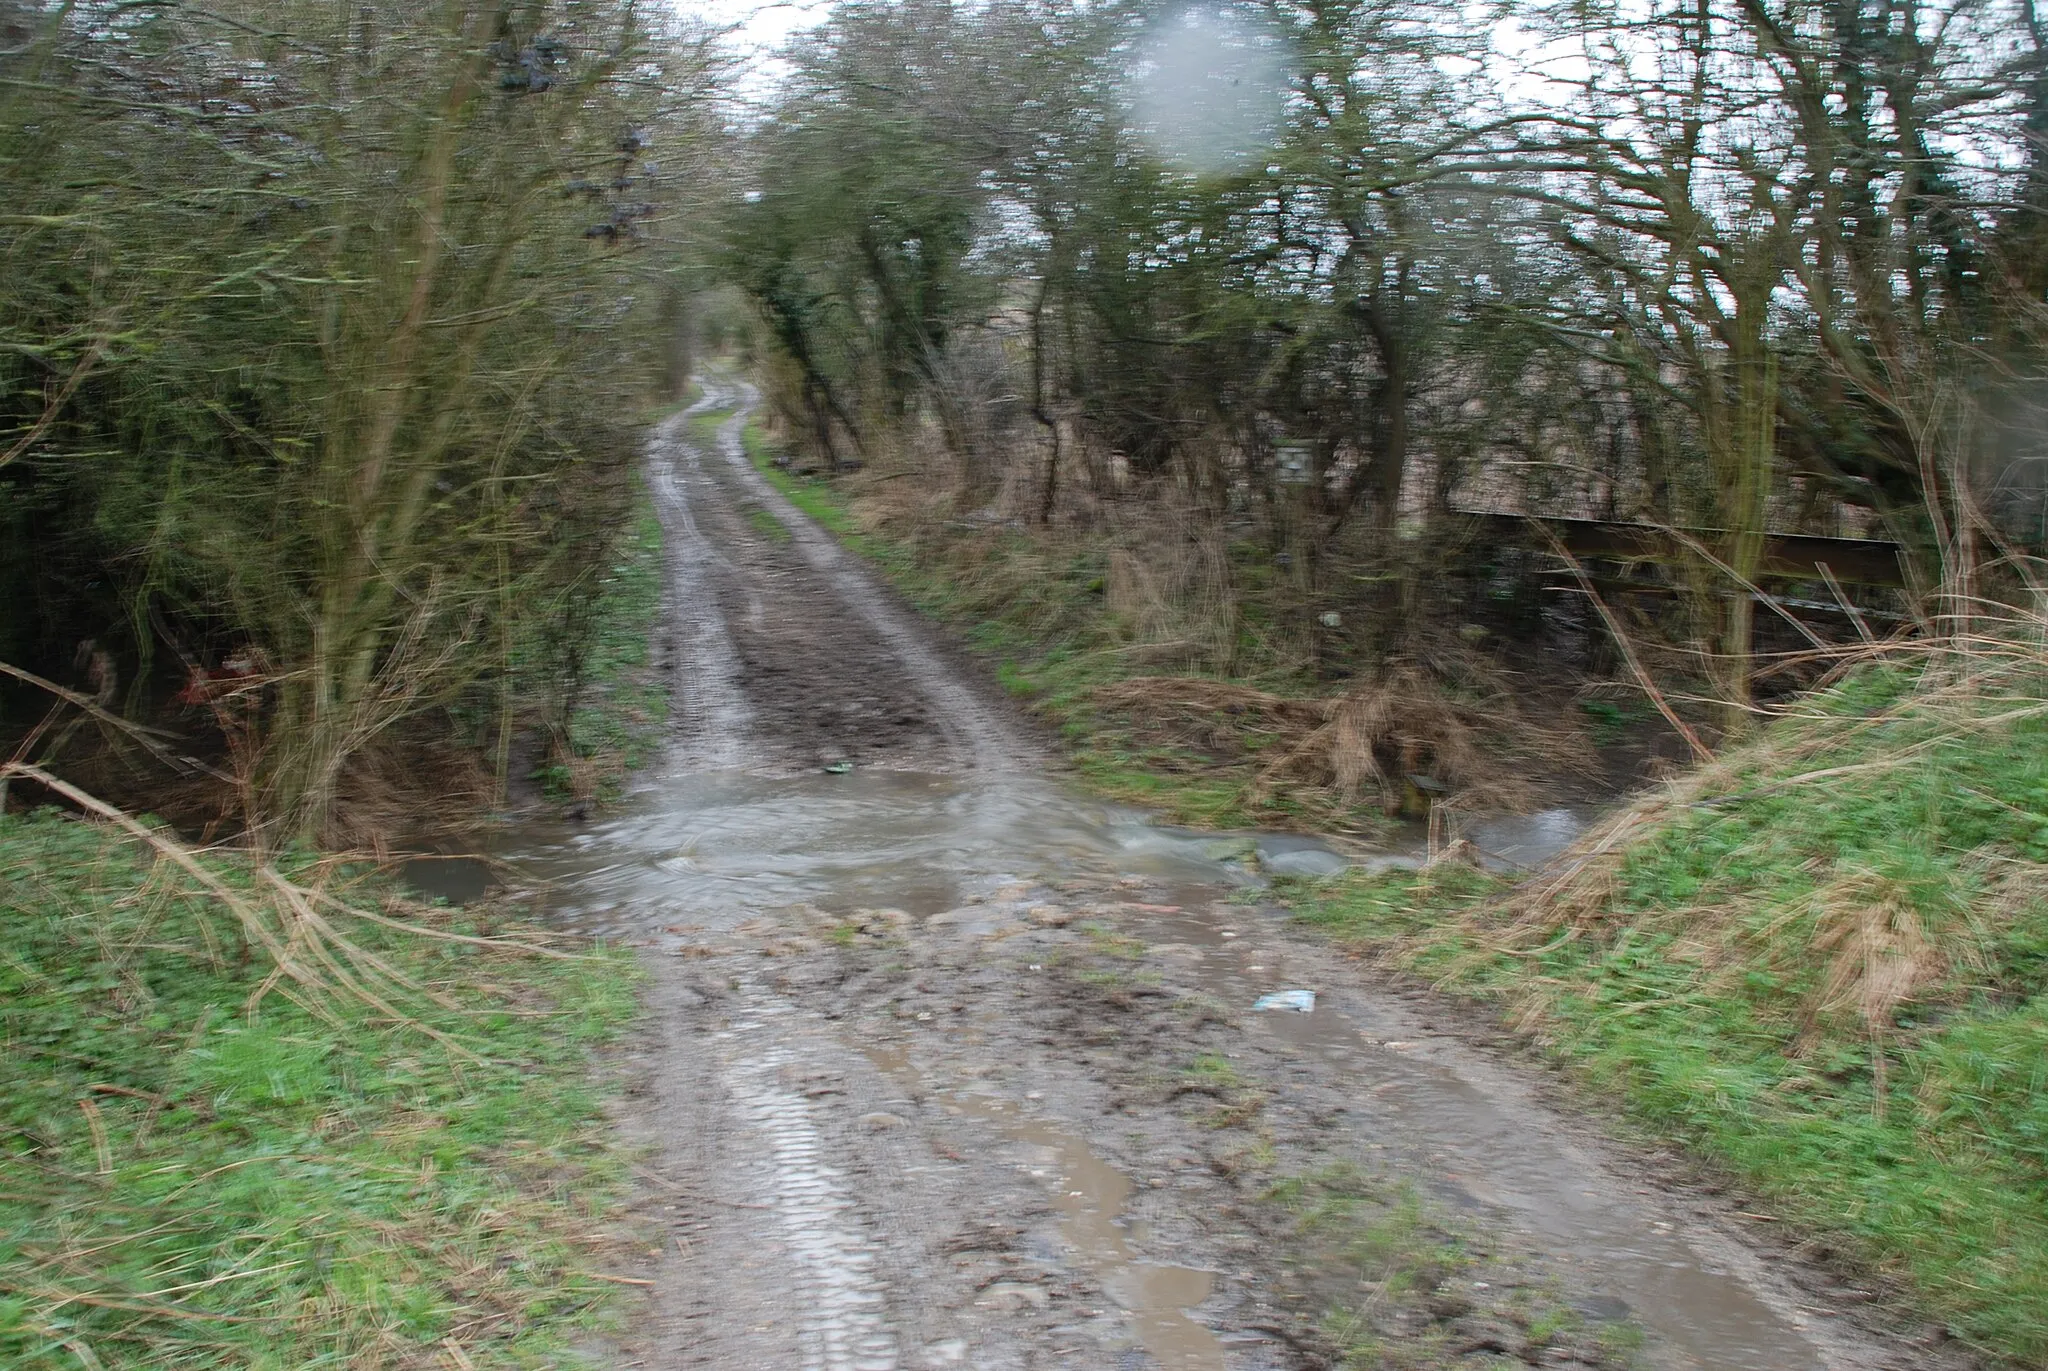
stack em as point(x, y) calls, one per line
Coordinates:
point(992, 746)
point(714, 718)
point(836, 1294)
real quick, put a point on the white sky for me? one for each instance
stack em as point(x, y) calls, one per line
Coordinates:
point(760, 28)
point(759, 31)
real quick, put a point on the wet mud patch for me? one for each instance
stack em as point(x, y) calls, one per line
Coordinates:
point(1060, 1151)
point(781, 672)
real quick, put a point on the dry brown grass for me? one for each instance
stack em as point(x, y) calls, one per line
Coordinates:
point(1880, 950)
point(1881, 954)
point(1401, 739)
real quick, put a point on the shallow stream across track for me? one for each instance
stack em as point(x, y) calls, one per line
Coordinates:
point(891, 1160)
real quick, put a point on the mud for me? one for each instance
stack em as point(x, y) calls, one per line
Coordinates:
point(948, 1068)
point(782, 653)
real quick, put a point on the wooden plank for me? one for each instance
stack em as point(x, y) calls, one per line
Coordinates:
point(1798, 556)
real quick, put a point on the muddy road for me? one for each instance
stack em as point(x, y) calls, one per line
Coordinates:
point(948, 1067)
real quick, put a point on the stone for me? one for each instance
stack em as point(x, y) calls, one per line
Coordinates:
point(1305, 861)
point(1012, 1296)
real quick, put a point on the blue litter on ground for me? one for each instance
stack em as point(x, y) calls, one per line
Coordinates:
point(1302, 1000)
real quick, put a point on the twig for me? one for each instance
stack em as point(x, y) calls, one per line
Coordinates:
point(101, 1151)
point(1628, 652)
point(56, 404)
point(176, 852)
point(503, 943)
point(1828, 575)
point(1803, 777)
point(151, 738)
point(1701, 548)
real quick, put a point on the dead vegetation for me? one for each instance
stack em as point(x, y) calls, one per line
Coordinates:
point(1403, 743)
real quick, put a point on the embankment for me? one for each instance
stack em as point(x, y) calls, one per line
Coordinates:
point(1821, 963)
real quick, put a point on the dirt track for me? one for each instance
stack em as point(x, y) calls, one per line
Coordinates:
point(792, 658)
point(1042, 1127)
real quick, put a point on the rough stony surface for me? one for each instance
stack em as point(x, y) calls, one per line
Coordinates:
point(979, 1139)
point(866, 1162)
point(788, 656)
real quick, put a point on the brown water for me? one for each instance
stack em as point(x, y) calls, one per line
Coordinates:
point(724, 844)
point(727, 844)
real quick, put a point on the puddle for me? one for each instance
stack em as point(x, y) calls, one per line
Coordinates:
point(1526, 840)
point(1452, 1126)
point(1089, 1194)
point(727, 844)
point(457, 878)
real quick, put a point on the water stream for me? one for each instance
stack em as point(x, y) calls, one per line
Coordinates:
point(724, 844)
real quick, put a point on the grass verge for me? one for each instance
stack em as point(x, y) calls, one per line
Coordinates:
point(195, 1173)
point(1822, 962)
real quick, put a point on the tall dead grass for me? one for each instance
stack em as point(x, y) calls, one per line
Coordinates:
point(1397, 741)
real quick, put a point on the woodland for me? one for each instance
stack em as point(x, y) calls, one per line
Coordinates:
point(1274, 300)
point(328, 334)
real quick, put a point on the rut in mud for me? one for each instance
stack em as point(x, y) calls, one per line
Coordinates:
point(948, 1068)
point(791, 658)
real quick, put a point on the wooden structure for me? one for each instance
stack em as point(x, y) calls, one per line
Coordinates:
point(1794, 556)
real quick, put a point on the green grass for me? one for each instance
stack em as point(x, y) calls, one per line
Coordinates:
point(1392, 1275)
point(704, 426)
point(1825, 965)
point(767, 525)
point(1212, 1069)
point(692, 393)
point(187, 1181)
point(815, 496)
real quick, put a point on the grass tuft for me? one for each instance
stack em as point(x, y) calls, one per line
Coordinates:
point(194, 1176)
